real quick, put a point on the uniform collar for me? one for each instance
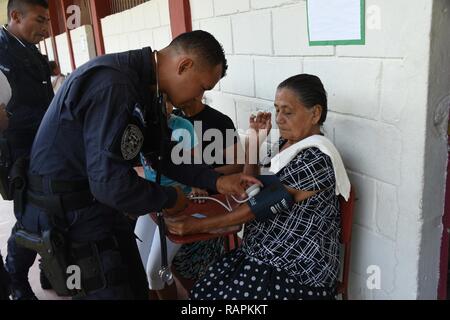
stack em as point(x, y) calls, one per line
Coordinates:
point(148, 72)
point(10, 35)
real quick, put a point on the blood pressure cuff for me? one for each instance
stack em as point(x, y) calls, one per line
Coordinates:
point(271, 200)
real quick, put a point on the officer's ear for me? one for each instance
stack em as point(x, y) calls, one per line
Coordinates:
point(184, 65)
point(15, 16)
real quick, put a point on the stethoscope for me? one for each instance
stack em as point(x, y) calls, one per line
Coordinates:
point(164, 272)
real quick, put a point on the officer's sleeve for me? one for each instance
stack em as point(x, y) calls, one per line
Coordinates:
point(7, 68)
point(193, 175)
point(112, 178)
point(199, 176)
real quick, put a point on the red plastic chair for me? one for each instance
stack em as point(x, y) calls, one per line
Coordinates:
point(346, 208)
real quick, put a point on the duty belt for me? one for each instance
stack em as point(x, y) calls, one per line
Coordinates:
point(72, 195)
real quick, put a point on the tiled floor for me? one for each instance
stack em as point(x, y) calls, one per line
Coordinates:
point(7, 221)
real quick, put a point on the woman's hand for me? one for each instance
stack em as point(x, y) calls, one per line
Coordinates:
point(260, 126)
point(182, 226)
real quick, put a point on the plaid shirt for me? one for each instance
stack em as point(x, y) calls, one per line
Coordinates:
point(304, 241)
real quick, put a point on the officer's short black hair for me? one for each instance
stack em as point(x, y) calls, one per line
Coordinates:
point(19, 5)
point(204, 45)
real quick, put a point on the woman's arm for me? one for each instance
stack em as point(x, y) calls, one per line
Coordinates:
point(251, 156)
point(259, 128)
point(190, 225)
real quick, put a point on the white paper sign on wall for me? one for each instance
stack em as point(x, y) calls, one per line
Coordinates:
point(336, 22)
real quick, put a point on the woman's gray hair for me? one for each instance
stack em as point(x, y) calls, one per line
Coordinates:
point(309, 90)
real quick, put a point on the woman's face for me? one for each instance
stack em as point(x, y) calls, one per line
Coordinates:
point(294, 120)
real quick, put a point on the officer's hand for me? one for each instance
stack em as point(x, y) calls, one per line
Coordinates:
point(196, 192)
point(181, 203)
point(236, 184)
point(4, 120)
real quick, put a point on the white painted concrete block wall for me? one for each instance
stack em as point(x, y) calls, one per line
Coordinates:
point(145, 25)
point(48, 44)
point(83, 44)
point(62, 47)
point(377, 102)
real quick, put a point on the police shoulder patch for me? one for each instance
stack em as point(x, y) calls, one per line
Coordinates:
point(132, 142)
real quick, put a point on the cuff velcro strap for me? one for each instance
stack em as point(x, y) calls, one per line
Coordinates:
point(271, 200)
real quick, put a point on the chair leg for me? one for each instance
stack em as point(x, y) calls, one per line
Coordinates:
point(345, 295)
point(226, 243)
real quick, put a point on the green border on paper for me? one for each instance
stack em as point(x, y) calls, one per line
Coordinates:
point(361, 41)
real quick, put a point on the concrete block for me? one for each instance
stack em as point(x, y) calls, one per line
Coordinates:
point(162, 37)
point(240, 78)
point(270, 72)
point(117, 23)
point(146, 38)
point(365, 190)
point(387, 210)
point(196, 25)
point(109, 44)
point(222, 7)
point(83, 44)
point(252, 33)
point(151, 14)
point(164, 12)
point(370, 148)
point(201, 9)
point(371, 249)
point(261, 4)
point(49, 46)
point(63, 53)
point(290, 33)
point(107, 26)
point(358, 287)
point(395, 91)
point(220, 28)
point(127, 21)
point(342, 79)
point(134, 41)
point(138, 18)
point(388, 29)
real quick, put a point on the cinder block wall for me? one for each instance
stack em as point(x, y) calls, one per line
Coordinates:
point(384, 99)
point(83, 44)
point(145, 25)
point(378, 101)
point(62, 46)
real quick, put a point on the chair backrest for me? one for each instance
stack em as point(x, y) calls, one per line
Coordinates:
point(346, 208)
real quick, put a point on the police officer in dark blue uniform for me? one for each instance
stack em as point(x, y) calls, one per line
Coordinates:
point(29, 76)
point(5, 96)
point(81, 177)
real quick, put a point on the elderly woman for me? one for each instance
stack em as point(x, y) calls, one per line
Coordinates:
point(295, 253)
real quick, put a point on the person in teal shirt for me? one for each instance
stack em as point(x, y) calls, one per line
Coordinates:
point(146, 229)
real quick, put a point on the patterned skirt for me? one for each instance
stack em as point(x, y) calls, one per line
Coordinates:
point(237, 276)
point(193, 259)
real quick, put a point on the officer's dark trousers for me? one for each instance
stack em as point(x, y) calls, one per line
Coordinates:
point(4, 281)
point(19, 260)
point(18, 263)
point(125, 257)
point(136, 287)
